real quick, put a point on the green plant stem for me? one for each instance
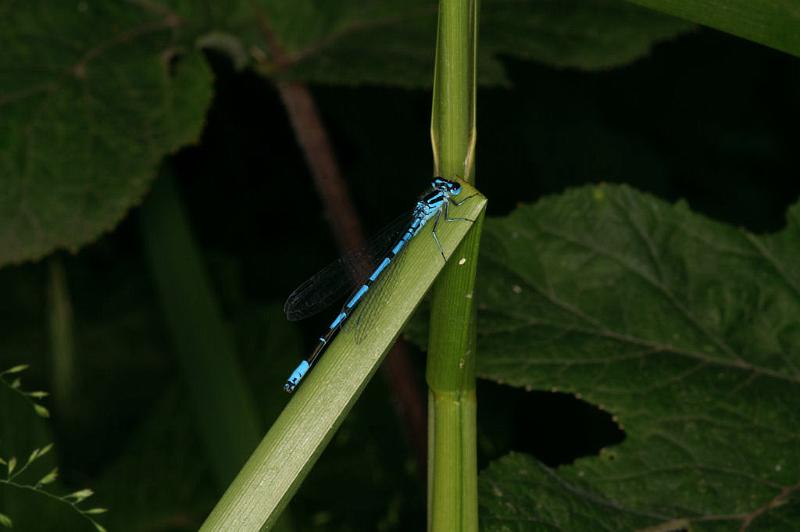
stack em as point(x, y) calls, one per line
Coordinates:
point(313, 139)
point(62, 344)
point(225, 414)
point(452, 469)
point(64, 500)
point(454, 84)
point(299, 435)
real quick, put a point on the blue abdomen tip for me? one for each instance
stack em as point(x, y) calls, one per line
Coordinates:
point(296, 376)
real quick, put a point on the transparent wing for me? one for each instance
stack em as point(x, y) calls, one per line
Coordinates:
point(364, 319)
point(339, 278)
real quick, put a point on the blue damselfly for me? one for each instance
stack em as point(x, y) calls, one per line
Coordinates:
point(304, 301)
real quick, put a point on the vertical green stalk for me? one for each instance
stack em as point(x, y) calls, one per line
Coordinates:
point(454, 84)
point(452, 471)
point(62, 344)
point(225, 413)
point(297, 438)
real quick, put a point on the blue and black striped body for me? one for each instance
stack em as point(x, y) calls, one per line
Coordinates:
point(433, 204)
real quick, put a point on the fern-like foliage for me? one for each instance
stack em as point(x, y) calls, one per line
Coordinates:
point(13, 472)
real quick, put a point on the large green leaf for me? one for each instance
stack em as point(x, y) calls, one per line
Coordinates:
point(392, 42)
point(770, 22)
point(92, 96)
point(686, 329)
point(594, 34)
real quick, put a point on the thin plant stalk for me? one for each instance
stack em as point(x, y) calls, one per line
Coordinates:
point(62, 343)
point(452, 469)
point(225, 413)
point(269, 479)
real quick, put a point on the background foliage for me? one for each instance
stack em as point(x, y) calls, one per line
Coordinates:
point(93, 98)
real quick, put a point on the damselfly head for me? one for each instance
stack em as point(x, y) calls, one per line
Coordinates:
point(453, 188)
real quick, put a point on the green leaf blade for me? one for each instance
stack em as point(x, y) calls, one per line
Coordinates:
point(274, 471)
point(391, 43)
point(519, 493)
point(16, 369)
point(87, 121)
point(49, 478)
point(589, 35)
point(773, 23)
point(683, 328)
point(80, 495)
